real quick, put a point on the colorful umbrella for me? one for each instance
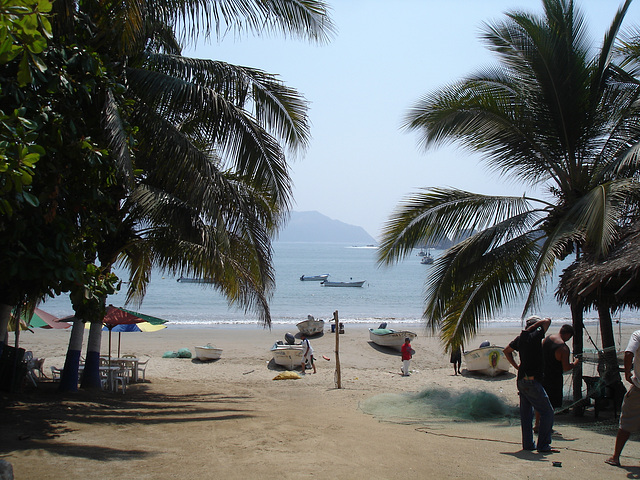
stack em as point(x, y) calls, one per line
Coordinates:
point(120, 318)
point(133, 327)
point(39, 319)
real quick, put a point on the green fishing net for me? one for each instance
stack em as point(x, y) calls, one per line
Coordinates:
point(438, 403)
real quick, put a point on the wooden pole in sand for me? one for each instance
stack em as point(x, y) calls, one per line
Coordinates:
point(338, 375)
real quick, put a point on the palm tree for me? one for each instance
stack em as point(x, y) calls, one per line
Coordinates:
point(204, 184)
point(551, 115)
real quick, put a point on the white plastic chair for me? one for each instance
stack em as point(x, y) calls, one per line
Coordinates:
point(142, 367)
point(56, 374)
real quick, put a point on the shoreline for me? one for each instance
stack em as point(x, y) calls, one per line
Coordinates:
point(230, 419)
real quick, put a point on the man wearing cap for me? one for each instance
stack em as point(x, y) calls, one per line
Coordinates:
point(532, 394)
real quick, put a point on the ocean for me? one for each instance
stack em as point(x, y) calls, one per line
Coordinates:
point(394, 294)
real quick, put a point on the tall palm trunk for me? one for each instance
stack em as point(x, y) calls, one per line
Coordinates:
point(91, 374)
point(69, 378)
point(611, 372)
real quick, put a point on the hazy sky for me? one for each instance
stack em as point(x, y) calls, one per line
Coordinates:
point(384, 57)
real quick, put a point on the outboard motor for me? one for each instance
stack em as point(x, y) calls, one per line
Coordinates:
point(289, 338)
point(383, 326)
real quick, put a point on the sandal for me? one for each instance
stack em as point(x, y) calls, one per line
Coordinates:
point(613, 462)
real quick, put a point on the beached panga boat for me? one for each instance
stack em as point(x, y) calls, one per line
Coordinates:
point(311, 326)
point(387, 337)
point(287, 356)
point(208, 352)
point(487, 360)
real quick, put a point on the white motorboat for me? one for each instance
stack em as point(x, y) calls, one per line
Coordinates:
point(427, 259)
point(387, 337)
point(311, 326)
point(287, 356)
point(208, 352)
point(194, 280)
point(314, 278)
point(327, 283)
point(487, 360)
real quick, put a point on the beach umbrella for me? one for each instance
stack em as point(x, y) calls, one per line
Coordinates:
point(39, 319)
point(117, 316)
point(134, 327)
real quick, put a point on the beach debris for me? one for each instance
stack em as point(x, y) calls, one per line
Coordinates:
point(326, 358)
point(170, 354)
point(287, 376)
point(247, 373)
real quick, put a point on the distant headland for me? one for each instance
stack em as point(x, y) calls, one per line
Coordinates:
point(316, 227)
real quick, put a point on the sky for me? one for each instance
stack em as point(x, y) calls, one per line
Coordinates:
point(385, 56)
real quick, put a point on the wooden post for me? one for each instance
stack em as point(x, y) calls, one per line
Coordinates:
point(338, 375)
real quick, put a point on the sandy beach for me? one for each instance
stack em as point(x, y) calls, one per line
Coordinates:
point(230, 419)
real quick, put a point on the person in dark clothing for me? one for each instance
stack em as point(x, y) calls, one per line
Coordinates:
point(555, 354)
point(530, 374)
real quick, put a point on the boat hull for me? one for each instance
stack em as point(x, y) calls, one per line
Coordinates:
point(208, 352)
point(311, 327)
point(390, 338)
point(487, 361)
point(287, 356)
point(314, 278)
point(343, 284)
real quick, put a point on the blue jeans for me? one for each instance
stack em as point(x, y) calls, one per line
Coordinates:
point(533, 396)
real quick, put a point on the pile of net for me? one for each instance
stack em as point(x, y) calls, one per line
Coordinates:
point(438, 403)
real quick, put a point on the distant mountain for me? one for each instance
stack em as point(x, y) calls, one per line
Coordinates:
point(315, 227)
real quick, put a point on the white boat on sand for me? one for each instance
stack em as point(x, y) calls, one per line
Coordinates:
point(487, 360)
point(311, 326)
point(387, 337)
point(327, 283)
point(314, 278)
point(208, 352)
point(287, 356)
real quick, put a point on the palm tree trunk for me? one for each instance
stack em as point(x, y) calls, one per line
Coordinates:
point(91, 374)
point(611, 371)
point(577, 313)
point(69, 377)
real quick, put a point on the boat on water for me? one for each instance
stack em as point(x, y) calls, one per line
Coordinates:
point(287, 354)
point(387, 337)
point(311, 326)
point(208, 352)
point(427, 259)
point(327, 283)
point(194, 280)
point(314, 278)
point(487, 360)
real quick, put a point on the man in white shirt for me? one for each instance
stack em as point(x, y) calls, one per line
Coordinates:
point(630, 413)
point(307, 354)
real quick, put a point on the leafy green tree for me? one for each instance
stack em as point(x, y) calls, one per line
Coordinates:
point(199, 146)
point(552, 115)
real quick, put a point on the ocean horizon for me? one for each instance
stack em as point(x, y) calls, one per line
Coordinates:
point(394, 295)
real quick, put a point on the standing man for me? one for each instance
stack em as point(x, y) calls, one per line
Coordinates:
point(530, 389)
point(555, 354)
point(407, 354)
point(630, 412)
point(307, 354)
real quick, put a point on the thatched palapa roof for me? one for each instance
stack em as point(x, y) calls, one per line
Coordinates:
point(615, 280)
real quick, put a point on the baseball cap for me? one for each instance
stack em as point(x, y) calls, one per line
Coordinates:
point(531, 320)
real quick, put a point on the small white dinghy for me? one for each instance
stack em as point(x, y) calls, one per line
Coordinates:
point(487, 360)
point(311, 326)
point(208, 352)
point(386, 337)
point(287, 354)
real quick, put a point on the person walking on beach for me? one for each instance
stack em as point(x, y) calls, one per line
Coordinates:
point(630, 412)
point(407, 354)
point(307, 353)
point(555, 354)
point(456, 359)
point(530, 374)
